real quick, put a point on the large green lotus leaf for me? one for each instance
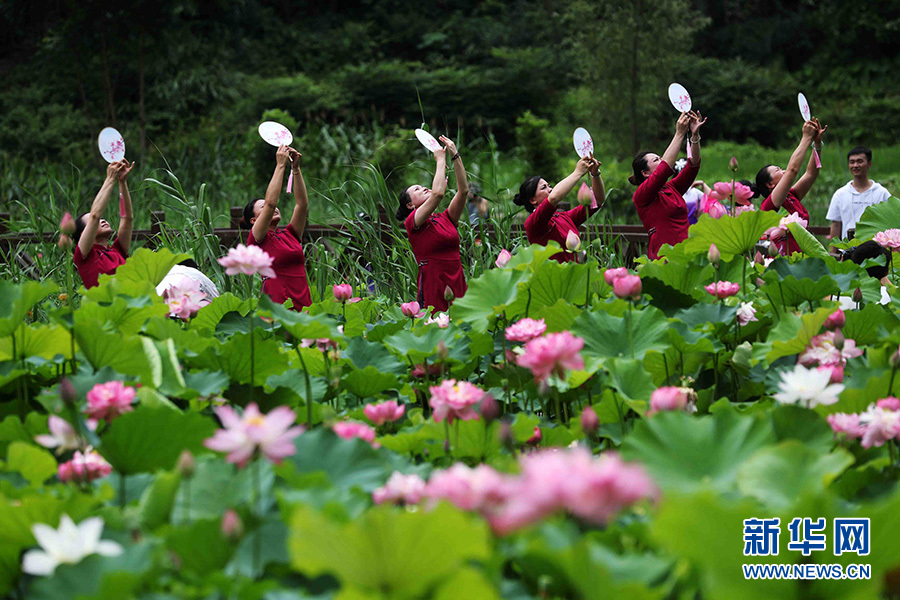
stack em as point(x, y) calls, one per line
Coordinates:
point(705, 317)
point(204, 383)
point(791, 335)
point(467, 582)
point(347, 464)
point(47, 341)
point(675, 284)
point(148, 439)
point(188, 341)
point(685, 453)
point(790, 291)
point(201, 546)
point(808, 243)
point(857, 399)
point(803, 425)
point(559, 316)
point(362, 353)
point(35, 464)
point(705, 532)
point(271, 539)
point(98, 577)
point(398, 553)
point(632, 381)
point(368, 382)
point(530, 258)
point(731, 235)
point(585, 570)
point(300, 325)
point(878, 217)
point(17, 300)
point(217, 486)
point(210, 315)
point(779, 475)
point(233, 357)
point(420, 345)
point(864, 326)
point(488, 296)
point(158, 499)
point(126, 354)
point(137, 277)
point(606, 336)
point(550, 282)
point(120, 315)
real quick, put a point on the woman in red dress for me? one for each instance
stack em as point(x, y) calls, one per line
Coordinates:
point(283, 245)
point(93, 254)
point(659, 201)
point(434, 237)
point(775, 183)
point(545, 223)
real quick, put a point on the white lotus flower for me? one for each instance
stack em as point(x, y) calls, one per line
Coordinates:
point(67, 545)
point(62, 435)
point(808, 387)
point(746, 313)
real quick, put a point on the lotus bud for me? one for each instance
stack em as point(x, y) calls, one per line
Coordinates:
point(536, 437)
point(895, 359)
point(232, 526)
point(758, 259)
point(448, 294)
point(573, 242)
point(760, 282)
point(733, 164)
point(67, 391)
point(447, 446)
point(714, 255)
point(590, 423)
point(503, 259)
point(442, 351)
point(65, 242)
point(835, 320)
point(506, 435)
point(773, 251)
point(67, 225)
point(839, 340)
point(186, 465)
point(490, 410)
point(857, 295)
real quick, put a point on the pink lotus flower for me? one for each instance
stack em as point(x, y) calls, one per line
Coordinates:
point(109, 400)
point(743, 208)
point(503, 259)
point(835, 320)
point(62, 435)
point(552, 354)
point(442, 320)
point(822, 351)
point(627, 286)
point(782, 229)
point(481, 488)
point(411, 310)
point(84, 468)
point(184, 298)
point(672, 398)
point(351, 429)
point(746, 313)
point(723, 191)
point(455, 400)
point(836, 371)
point(323, 344)
point(573, 242)
point(342, 292)
point(248, 260)
point(181, 307)
point(384, 412)
point(526, 329)
point(418, 371)
point(67, 224)
point(889, 403)
point(712, 207)
point(400, 489)
point(723, 289)
point(610, 275)
point(585, 195)
point(244, 435)
point(848, 424)
point(879, 425)
point(889, 238)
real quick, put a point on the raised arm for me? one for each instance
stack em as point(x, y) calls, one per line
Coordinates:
point(790, 174)
point(681, 128)
point(89, 235)
point(261, 225)
point(438, 188)
point(812, 171)
point(697, 121)
point(458, 203)
point(301, 199)
point(598, 188)
point(565, 186)
point(126, 212)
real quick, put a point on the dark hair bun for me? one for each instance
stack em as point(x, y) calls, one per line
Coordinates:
point(632, 180)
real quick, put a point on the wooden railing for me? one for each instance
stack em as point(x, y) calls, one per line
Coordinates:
point(631, 240)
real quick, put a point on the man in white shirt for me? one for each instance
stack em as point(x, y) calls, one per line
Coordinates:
point(849, 202)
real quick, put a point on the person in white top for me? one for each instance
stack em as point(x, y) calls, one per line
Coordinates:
point(849, 202)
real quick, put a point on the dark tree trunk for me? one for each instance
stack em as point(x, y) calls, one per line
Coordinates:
point(635, 83)
point(107, 82)
point(141, 113)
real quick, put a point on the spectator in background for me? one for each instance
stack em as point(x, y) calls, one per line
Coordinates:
point(849, 202)
point(694, 196)
point(477, 206)
point(859, 254)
